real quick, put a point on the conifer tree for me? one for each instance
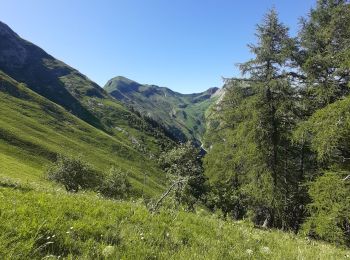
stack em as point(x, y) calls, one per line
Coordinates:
point(325, 52)
point(261, 112)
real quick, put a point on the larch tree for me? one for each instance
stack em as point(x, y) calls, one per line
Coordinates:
point(325, 49)
point(266, 101)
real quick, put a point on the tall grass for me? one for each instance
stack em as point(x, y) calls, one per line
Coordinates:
point(37, 223)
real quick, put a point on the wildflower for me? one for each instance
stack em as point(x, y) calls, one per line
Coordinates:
point(48, 238)
point(71, 228)
point(167, 234)
point(265, 250)
point(249, 251)
point(67, 232)
point(108, 251)
point(142, 237)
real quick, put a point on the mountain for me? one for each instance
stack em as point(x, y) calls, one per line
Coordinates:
point(64, 85)
point(47, 108)
point(181, 114)
point(45, 75)
point(33, 130)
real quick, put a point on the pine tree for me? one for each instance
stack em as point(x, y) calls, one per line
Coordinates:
point(325, 55)
point(261, 111)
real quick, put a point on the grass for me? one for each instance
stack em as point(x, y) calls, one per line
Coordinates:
point(39, 220)
point(39, 223)
point(33, 130)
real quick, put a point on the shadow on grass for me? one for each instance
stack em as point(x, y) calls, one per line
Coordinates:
point(7, 183)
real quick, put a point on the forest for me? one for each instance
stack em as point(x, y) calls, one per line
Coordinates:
point(280, 139)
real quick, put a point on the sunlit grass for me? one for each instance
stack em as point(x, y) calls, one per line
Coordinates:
point(33, 130)
point(37, 223)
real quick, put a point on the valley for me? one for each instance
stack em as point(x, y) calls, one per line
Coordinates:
point(257, 168)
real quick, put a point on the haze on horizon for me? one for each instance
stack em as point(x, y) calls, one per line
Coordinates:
point(186, 46)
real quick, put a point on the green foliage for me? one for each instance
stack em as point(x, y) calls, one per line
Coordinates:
point(327, 131)
point(258, 115)
point(330, 209)
point(37, 224)
point(225, 196)
point(325, 38)
point(275, 130)
point(185, 173)
point(115, 184)
point(73, 173)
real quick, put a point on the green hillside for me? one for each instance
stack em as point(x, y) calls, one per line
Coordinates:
point(33, 130)
point(63, 85)
point(182, 114)
point(39, 219)
point(53, 225)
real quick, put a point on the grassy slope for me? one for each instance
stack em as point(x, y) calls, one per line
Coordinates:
point(67, 87)
point(37, 223)
point(33, 130)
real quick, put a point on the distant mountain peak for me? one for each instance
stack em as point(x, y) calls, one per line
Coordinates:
point(123, 79)
point(182, 114)
point(212, 91)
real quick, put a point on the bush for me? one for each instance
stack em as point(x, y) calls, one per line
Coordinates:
point(73, 173)
point(184, 169)
point(330, 209)
point(115, 184)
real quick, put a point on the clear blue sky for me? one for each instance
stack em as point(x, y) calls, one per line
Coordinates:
point(186, 45)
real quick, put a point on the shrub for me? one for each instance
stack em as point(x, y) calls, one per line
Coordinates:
point(73, 173)
point(330, 209)
point(184, 169)
point(115, 184)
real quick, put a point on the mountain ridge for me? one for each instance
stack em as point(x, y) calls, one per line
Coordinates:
point(66, 86)
point(182, 114)
point(48, 108)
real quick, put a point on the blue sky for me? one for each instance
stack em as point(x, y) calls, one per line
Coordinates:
point(186, 45)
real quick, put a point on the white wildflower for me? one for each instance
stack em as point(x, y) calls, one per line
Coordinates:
point(265, 250)
point(108, 251)
point(142, 237)
point(249, 251)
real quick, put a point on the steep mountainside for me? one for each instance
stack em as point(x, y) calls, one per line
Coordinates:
point(58, 82)
point(47, 107)
point(33, 130)
point(182, 114)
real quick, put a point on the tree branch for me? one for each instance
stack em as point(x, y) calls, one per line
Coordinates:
point(156, 206)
